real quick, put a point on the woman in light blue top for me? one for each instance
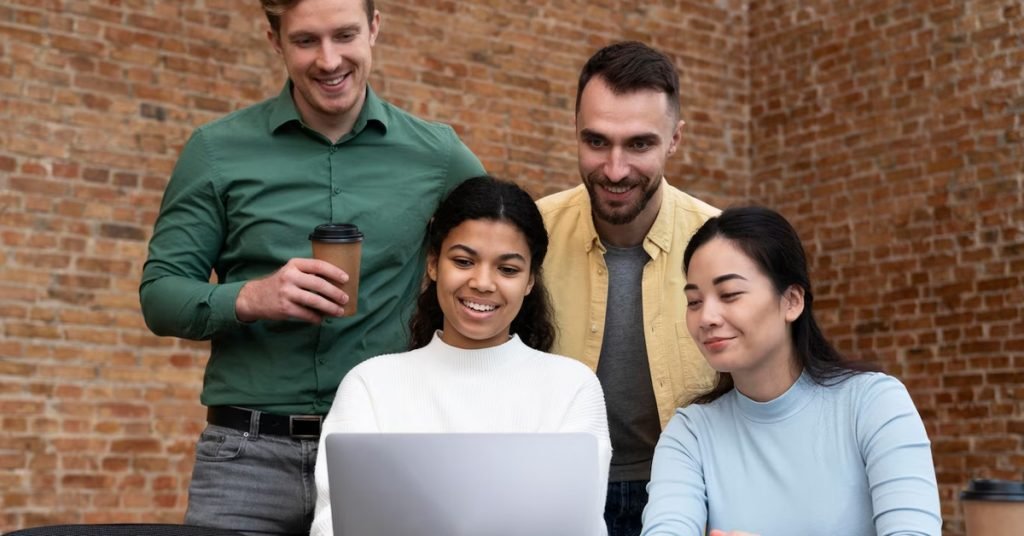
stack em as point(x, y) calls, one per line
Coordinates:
point(793, 439)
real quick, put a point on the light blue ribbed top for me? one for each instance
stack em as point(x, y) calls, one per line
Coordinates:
point(851, 459)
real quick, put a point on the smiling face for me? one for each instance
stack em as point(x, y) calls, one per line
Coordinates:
point(737, 318)
point(623, 142)
point(482, 274)
point(326, 46)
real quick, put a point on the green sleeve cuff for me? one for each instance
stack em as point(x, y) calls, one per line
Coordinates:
point(222, 305)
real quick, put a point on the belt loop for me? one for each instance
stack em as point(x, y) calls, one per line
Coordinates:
point(254, 424)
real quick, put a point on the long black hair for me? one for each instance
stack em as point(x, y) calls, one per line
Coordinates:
point(487, 198)
point(768, 239)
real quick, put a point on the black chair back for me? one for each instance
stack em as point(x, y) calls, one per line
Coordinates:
point(123, 529)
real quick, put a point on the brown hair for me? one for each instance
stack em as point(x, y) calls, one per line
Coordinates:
point(631, 66)
point(275, 8)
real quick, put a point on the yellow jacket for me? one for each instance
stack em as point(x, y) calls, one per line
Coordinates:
point(577, 280)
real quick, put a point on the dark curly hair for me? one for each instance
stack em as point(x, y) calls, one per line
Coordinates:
point(488, 198)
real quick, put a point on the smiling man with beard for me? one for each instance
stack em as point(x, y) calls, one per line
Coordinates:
point(616, 259)
point(243, 198)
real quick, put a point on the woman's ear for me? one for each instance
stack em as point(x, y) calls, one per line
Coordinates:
point(432, 267)
point(529, 286)
point(793, 301)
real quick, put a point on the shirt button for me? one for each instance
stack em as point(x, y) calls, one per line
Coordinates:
point(593, 328)
point(600, 271)
point(334, 149)
point(337, 190)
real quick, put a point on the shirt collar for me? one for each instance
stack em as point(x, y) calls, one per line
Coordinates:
point(586, 215)
point(658, 239)
point(283, 111)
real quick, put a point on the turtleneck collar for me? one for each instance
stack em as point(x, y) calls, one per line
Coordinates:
point(506, 351)
point(782, 407)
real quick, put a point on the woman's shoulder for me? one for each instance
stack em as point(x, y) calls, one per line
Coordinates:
point(559, 364)
point(868, 384)
point(872, 395)
point(384, 363)
point(709, 412)
point(700, 423)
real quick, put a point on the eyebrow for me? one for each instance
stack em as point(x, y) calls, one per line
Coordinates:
point(723, 278)
point(650, 137)
point(717, 281)
point(473, 252)
point(306, 33)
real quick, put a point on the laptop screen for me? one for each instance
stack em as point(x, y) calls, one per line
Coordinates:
point(479, 484)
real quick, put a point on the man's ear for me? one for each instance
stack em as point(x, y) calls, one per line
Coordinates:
point(374, 27)
point(274, 39)
point(793, 302)
point(677, 137)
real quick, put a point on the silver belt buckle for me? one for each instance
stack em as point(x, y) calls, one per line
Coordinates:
point(304, 426)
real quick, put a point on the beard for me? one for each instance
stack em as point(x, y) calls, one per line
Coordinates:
point(620, 212)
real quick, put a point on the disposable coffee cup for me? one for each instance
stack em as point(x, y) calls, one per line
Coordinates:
point(341, 244)
point(993, 508)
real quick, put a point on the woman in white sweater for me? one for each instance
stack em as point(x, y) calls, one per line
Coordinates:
point(480, 333)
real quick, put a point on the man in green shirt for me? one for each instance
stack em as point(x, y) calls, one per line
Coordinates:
point(245, 194)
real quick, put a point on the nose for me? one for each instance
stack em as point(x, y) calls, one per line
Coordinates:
point(615, 167)
point(710, 315)
point(482, 280)
point(328, 59)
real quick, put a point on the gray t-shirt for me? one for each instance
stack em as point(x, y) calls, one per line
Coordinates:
point(623, 368)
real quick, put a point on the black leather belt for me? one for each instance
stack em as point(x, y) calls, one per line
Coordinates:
point(295, 426)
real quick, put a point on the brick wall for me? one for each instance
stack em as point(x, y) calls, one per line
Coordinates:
point(891, 133)
point(910, 113)
point(99, 416)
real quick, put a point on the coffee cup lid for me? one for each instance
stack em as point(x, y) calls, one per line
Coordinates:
point(993, 490)
point(340, 233)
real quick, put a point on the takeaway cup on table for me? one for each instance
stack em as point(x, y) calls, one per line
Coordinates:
point(994, 508)
point(341, 245)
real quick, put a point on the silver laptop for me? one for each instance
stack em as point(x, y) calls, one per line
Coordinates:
point(523, 484)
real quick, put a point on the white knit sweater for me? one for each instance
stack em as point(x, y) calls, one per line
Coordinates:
point(440, 388)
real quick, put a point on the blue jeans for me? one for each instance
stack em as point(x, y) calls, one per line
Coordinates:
point(624, 507)
point(257, 485)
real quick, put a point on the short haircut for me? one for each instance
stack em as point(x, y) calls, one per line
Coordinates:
point(632, 66)
point(275, 8)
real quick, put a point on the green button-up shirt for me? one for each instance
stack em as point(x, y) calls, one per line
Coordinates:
point(243, 198)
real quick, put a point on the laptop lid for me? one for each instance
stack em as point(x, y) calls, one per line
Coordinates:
point(479, 484)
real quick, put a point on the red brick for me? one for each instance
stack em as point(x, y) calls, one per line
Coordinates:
point(136, 446)
point(87, 481)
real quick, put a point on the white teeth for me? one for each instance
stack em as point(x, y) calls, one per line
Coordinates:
point(332, 81)
point(479, 306)
point(617, 189)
